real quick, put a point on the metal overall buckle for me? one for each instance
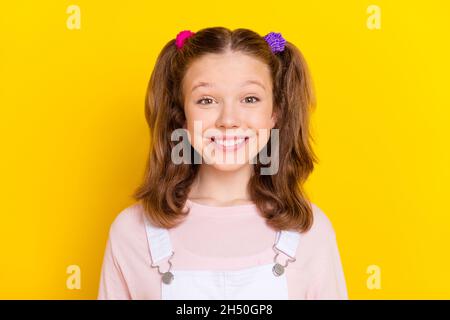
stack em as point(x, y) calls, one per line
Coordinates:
point(167, 277)
point(278, 269)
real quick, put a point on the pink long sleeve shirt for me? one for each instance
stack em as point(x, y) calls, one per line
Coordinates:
point(218, 238)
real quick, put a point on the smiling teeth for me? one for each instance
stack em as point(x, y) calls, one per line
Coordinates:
point(229, 142)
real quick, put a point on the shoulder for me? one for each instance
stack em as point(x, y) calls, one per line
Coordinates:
point(322, 224)
point(127, 226)
point(322, 232)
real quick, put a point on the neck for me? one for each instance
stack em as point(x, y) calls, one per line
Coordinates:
point(222, 186)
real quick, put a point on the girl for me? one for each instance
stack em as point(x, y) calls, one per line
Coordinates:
point(205, 225)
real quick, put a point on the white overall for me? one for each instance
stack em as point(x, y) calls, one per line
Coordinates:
point(262, 282)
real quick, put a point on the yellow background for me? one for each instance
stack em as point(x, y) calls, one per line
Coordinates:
point(74, 138)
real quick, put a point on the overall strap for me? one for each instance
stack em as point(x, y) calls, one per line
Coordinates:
point(158, 241)
point(160, 246)
point(287, 242)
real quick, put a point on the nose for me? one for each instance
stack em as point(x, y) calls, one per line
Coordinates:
point(229, 117)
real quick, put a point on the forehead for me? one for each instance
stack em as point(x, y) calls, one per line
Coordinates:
point(227, 70)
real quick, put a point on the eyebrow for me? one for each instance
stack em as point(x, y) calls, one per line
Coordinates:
point(245, 83)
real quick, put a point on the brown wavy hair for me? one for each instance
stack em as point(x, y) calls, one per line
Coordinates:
point(280, 197)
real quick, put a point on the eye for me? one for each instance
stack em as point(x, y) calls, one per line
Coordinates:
point(208, 101)
point(255, 99)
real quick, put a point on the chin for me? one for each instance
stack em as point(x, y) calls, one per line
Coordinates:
point(229, 167)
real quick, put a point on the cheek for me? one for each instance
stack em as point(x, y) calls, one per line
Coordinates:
point(260, 117)
point(193, 113)
point(200, 121)
point(259, 120)
point(195, 117)
point(262, 124)
point(197, 121)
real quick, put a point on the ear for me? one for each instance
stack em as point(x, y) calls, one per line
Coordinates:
point(274, 119)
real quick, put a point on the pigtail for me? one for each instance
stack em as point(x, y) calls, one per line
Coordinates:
point(287, 205)
point(164, 186)
point(157, 95)
point(299, 101)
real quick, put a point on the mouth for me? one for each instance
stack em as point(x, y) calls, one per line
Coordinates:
point(229, 143)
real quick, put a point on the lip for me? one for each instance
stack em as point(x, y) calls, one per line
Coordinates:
point(233, 147)
point(228, 137)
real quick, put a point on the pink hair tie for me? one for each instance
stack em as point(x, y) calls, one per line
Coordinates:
point(182, 36)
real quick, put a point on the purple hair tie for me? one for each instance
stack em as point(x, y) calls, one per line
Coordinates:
point(275, 41)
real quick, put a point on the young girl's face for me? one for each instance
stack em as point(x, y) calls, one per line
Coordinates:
point(228, 108)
